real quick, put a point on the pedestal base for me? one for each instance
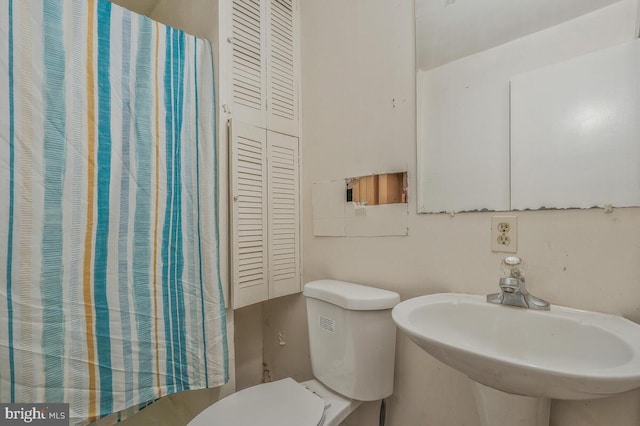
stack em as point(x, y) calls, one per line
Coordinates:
point(498, 408)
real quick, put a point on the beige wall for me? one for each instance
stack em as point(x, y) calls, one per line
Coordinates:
point(358, 118)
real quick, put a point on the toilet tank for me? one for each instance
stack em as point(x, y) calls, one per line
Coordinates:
point(352, 338)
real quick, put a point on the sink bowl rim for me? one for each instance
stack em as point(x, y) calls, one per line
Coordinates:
point(629, 371)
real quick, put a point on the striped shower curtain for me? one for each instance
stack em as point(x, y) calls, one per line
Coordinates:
point(110, 294)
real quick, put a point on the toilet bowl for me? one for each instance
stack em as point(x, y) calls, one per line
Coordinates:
point(352, 347)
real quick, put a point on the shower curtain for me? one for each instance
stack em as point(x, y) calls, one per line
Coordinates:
point(110, 294)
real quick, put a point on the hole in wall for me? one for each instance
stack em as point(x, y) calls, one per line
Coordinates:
point(372, 190)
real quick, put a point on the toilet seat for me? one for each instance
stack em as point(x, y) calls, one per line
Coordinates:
point(282, 403)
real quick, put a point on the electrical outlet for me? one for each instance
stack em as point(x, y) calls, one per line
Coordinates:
point(504, 234)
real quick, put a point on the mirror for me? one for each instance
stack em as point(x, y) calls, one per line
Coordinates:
point(473, 80)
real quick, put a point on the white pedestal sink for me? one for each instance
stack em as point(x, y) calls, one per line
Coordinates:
point(519, 358)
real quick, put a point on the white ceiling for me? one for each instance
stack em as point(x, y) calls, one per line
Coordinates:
point(144, 7)
point(447, 30)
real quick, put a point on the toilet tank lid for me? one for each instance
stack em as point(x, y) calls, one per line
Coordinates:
point(351, 296)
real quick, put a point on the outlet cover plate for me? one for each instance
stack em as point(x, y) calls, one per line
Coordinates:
point(504, 234)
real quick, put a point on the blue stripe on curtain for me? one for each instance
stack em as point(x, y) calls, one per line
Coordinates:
point(168, 219)
point(103, 332)
point(172, 255)
point(192, 304)
point(181, 372)
point(9, 277)
point(51, 285)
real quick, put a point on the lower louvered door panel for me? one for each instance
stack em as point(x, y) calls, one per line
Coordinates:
point(265, 216)
point(249, 215)
point(284, 215)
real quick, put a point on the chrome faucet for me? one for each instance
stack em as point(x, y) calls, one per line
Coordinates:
point(512, 289)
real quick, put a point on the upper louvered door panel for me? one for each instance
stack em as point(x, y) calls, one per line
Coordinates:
point(283, 66)
point(249, 214)
point(249, 61)
point(284, 215)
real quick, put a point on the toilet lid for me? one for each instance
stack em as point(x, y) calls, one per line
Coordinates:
point(282, 403)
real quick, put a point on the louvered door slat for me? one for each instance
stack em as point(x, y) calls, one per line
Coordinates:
point(249, 192)
point(246, 28)
point(282, 35)
point(247, 58)
point(281, 31)
point(249, 78)
point(249, 8)
point(282, 70)
point(284, 205)
point(282, 86)
point(283, 44)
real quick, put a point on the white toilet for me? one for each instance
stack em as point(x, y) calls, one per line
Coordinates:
point(352, 343)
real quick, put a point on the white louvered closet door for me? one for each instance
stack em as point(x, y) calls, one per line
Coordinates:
point(284, 215)
point(249, 79)
point(283, 66)
point(249, 252)
point(266, 63)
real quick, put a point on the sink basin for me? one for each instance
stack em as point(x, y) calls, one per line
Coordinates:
point(561, 354)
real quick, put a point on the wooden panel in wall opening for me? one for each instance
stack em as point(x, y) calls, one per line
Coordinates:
point(390, 188)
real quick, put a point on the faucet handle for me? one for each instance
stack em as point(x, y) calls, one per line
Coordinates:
point(512, 261)
point(512, 267)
